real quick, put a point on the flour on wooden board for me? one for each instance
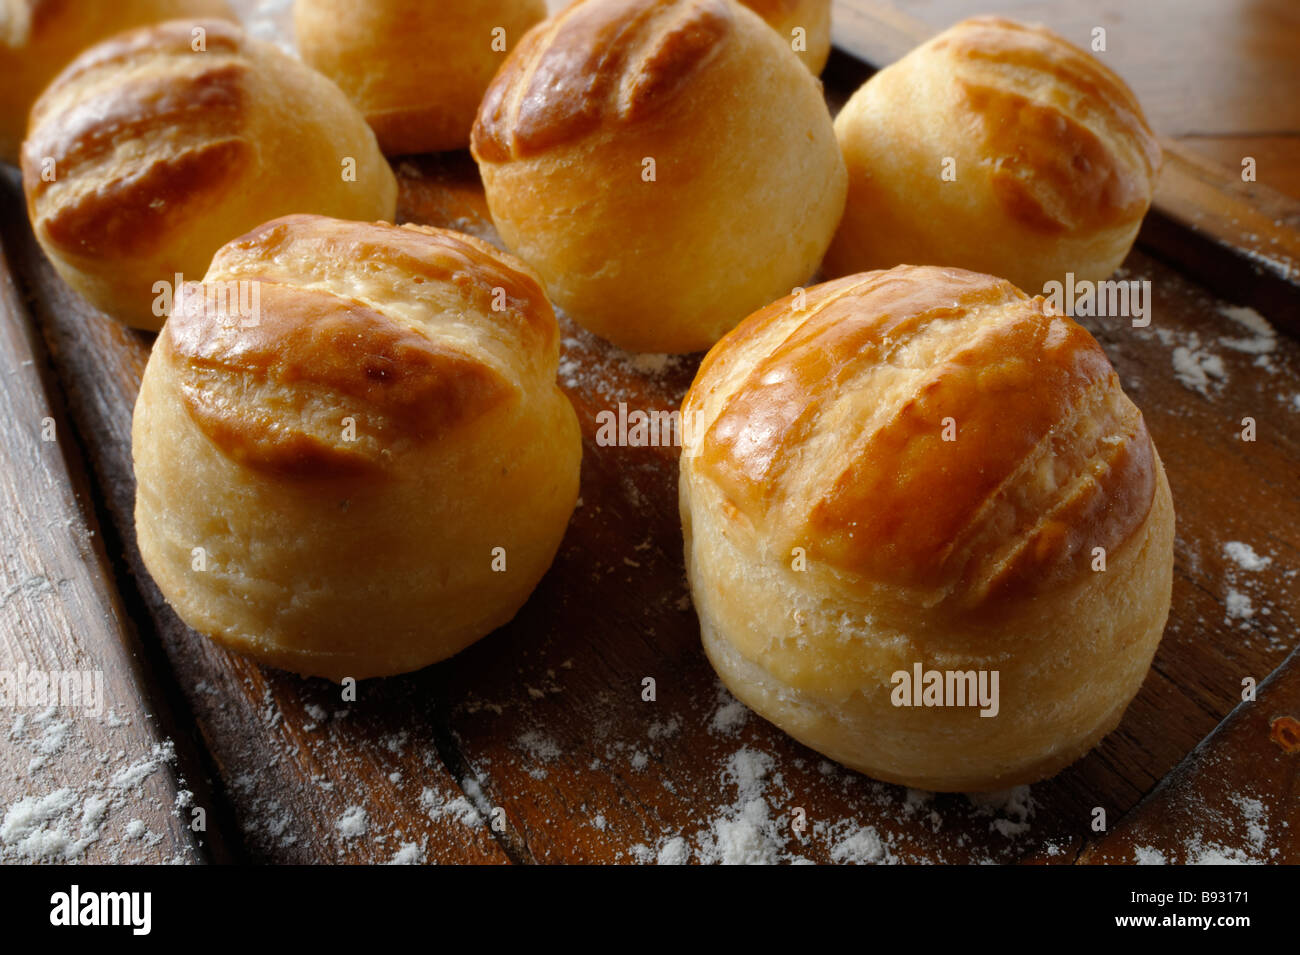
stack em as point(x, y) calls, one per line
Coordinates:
point(1196, 848)
point(61, 823)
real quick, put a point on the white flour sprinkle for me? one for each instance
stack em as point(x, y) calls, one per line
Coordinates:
point(61, 823)
point(1197, 369)
point(32, 827)
point(860, 845)
point(409, 854)
point(1256, 818)
point(1244, 556)
point(1262, 339)
point(730, 715)
point(1016, 803)
point(354, 823)
point(1209, 853)
point(674, 852)
point(1238, 606)
point(1146, 855)
point(135, 774)
point(1200, 849)
point(457, 808)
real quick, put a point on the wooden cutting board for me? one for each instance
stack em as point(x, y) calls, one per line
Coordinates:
point(536, 744)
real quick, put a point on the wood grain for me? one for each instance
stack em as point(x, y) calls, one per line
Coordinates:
point(102, 767)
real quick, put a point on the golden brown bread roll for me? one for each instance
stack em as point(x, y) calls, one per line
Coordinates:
point(145, 155)
point(372, 453)
point(813, 17)
point(1054, 164)
point(667, 166)
point(917, 467)
point(38, 38)
point(416, 70)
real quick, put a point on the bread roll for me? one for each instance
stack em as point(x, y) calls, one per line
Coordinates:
point(667, 166)
point(374, 457)
point(813, 17)
point(924, 468)
point(1054, 164)
point(145, 155)
point(416, 70)
point(40, 37)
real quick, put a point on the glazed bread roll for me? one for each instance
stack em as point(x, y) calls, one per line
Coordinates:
point(370, 448)
point(1054, 164)
point(416, 70)
point(145, 155)
point(40, 37)
point(813, 17)
point(924, 468)
point(667, 166)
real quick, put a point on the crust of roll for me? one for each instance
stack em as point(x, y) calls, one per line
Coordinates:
point(835, 536)
point(656, 217)
point(378, 465)
point(1049, 163)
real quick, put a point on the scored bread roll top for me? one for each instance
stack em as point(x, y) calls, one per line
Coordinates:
point(1052, 165)
point(346, 309)
point(40, 37)
point(349, 430)
point(416, 70)
point(667, 166)
point(947, 455)
point(594, 64)
point(867, 373)
point(155, 147)
point(812, 16)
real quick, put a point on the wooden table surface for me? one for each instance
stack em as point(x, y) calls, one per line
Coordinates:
point(536, 745)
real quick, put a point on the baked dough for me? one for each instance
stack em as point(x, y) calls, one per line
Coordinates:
point(375, 459)
point(38, 38)
point(1054, 163)
point(145, 155)
point(416, 69)
point(812, 16)
point(814, 437)
point(667, 166)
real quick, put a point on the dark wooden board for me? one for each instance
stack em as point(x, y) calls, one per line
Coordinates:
point(545, 719)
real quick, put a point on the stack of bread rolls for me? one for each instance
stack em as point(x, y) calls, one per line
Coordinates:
point(352, 455)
